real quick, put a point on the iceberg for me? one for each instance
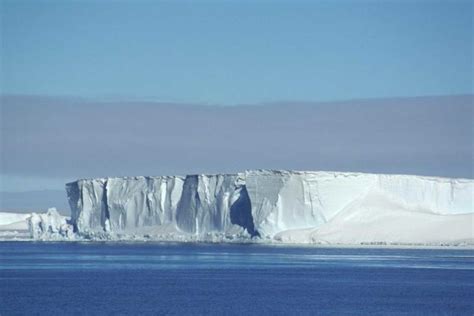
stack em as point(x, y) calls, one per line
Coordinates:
point(50, 225)
point(276, 206)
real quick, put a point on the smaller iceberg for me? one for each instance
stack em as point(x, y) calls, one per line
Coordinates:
point(50, 225)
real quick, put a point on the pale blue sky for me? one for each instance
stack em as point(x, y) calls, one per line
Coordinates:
point(231, 52)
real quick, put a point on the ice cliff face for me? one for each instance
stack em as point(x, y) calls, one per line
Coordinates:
point(261, 203)
point(195, 204)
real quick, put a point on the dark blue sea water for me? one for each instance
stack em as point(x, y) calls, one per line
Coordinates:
point(196, 279)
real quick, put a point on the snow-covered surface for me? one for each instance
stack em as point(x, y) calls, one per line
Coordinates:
point(13, 226)
point(269, 206)
point(13, 221)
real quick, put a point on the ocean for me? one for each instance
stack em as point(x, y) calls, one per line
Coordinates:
point(72, 278)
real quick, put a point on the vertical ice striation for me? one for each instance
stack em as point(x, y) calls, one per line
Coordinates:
point(141, 201)
point(193, 204)
point(88, 204)
point(206, 203)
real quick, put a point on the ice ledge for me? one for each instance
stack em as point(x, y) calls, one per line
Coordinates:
point(271, 205)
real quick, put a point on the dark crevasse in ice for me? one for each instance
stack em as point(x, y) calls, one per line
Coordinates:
point(105, 213)
point(74, 195)
point(241, 213)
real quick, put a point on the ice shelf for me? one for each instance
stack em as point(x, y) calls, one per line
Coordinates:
point(288, 206)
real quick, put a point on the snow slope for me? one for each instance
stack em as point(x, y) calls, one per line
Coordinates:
point(375, 218)
point(290, 206)
point(13, 221)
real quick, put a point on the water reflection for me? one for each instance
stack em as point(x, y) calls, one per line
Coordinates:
point(65, 256)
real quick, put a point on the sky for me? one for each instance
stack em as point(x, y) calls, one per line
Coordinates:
point(111, 88)
point(234, 52)
point(66, 139)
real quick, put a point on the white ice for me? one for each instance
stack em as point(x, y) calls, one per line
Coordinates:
point(270, 206)
point(290, 206)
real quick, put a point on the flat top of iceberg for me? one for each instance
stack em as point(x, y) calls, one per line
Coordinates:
point(281, 172)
